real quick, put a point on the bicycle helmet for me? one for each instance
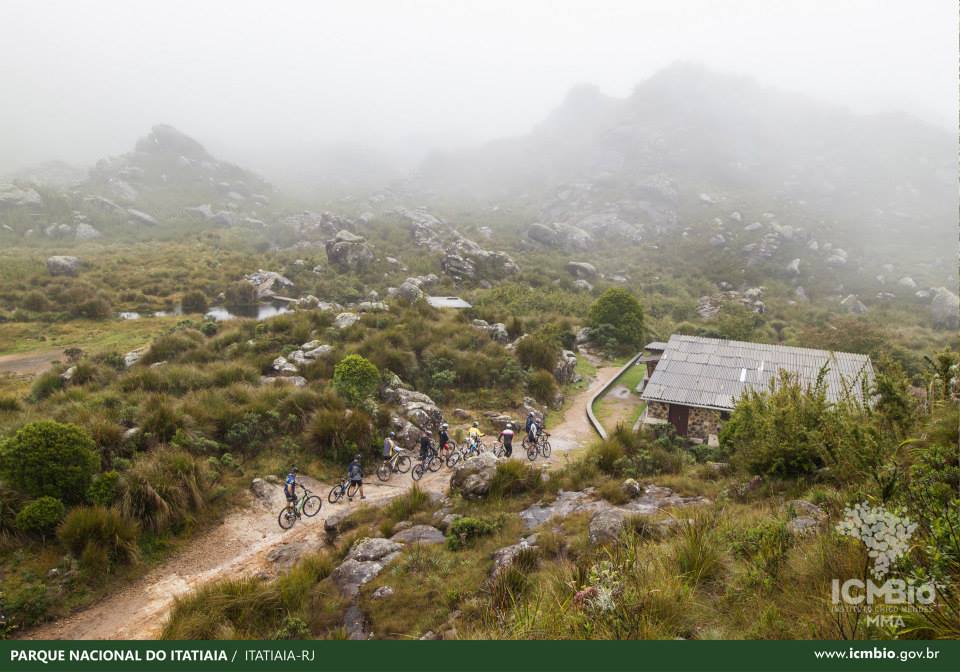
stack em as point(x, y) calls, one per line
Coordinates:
point(293, 469)
point(509, 425)
point(444, 426)
point(476, 424)
point(392, 434)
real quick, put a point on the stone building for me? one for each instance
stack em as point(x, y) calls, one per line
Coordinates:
point(696, 381)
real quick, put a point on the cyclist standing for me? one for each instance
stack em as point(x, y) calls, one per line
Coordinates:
point(532, 428)
point(506, 437)
point(444, 436)
point(355, 474)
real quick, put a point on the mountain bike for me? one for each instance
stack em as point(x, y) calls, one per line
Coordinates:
point(431, 463)
point(344, 486)
point(463, 452)
point(541, 446)
point(308, 505)
point(446, 450)
point(399, 463)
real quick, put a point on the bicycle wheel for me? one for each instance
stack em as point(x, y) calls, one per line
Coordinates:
point(532, 453)
point(526, 443)
point(336, 492)
point(384, 471)
point(403, 464)
point(311, 506)
point(545, 449)
point(498, 449)
point(287, 517)
point(453, 458)
point(352, 489)
point(435, 464)
point(417, 472)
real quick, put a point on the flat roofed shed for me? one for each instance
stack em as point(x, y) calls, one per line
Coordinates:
point(714, 373)
point(447, 302)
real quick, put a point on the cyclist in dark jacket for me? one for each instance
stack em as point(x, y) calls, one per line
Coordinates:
point(532, 428)
point(355, 474)
point(426, 447)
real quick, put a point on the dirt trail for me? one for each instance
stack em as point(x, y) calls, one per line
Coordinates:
point(240, 545)
point(575, 430)
point(29, 363)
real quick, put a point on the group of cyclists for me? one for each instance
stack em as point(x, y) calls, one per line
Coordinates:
point(533, 429)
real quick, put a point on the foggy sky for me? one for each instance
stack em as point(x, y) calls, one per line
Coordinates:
point(82, 80)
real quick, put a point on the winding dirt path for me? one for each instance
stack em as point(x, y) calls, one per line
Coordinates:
point(240, 545)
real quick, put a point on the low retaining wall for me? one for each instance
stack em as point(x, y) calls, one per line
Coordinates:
point(594, 422)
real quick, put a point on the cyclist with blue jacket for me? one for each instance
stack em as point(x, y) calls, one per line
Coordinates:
point(290, 486)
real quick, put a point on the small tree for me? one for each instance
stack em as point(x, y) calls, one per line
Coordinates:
point(355, 379)
point(50, 458)
point(620, 310)
point(194, 301)
point(40, 516)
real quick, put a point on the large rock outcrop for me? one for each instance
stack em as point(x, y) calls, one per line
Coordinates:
point(945, 308)
point(348, 252)
point(565, 370)
point(268, 283)
point(473, 477)
point(63, 265)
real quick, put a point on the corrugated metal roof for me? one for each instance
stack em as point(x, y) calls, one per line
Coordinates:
point(656, 345)
point(713, 373)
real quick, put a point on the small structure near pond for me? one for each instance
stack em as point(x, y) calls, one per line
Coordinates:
point(448, 302)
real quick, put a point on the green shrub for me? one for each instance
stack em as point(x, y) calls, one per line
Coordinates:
point(241, 294)
point(194, 301)
point(50, 458)
point(292, 628)
point(103, 490)
point(9, 403)
point(697, 551)
point(336, 435)
point(163, 488)
point(514, 477)
point(101, 537)
point(45, 385)
point(355, 379)
point(542, 386)
point(404, 506)
point(537, 352)
point(40, 516)
point(168, 346)
point(28, 604)
point(793, 430)
point(619, 312)
point(160, 420)
point(464, 530)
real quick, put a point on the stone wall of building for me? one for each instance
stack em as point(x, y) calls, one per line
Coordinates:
point(702, 423)
point(658, 410)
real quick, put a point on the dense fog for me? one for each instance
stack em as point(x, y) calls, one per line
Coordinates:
point(279, 86)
